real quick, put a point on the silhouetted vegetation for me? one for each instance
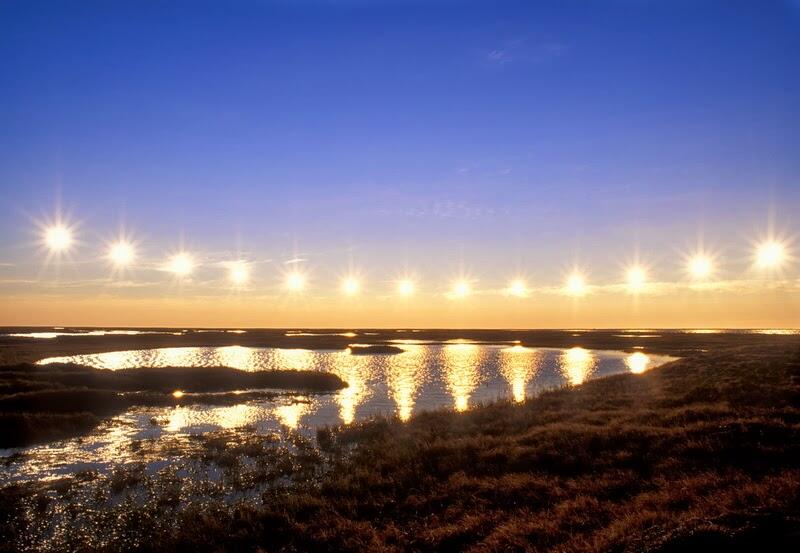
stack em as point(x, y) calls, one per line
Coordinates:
point(45, 402)
point(702, 453)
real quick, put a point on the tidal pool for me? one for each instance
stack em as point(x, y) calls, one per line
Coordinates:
point(456, 375)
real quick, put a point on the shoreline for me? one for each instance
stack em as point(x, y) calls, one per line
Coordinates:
point(669, 342)
point(701, 452)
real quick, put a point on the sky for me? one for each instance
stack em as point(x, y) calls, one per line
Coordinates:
point(432, 141)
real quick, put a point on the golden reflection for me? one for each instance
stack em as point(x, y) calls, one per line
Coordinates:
point(461, 371)
point(177, 394)
point(290, 415)
point(637, 362)
point(518, 364)
point(236, 357)
point(404, 375)
point(236, 416)
point(293, 359)
point(178, 419)
point(176, 357)
point(355, 370)
point(116, 360)
point(576, 364)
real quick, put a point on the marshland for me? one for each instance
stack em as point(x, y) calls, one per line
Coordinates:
point(698, 447)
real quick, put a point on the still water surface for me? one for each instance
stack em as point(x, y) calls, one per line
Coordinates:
point(455, 375)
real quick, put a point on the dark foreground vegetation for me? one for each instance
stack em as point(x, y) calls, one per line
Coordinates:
point(45, 402)
point(701, 454)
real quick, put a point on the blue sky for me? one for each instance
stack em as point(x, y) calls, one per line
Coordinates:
point(496, 136)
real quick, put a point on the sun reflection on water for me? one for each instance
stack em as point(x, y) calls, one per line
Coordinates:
point(293, 359)
point(576, 364)
point(637, 362)
point(355, 370)
point(237, 357)
point(290, 415)
point(518, 365)
point(405, 373)
point(461, 371)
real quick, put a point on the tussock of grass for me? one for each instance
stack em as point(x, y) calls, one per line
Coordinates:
point(46, 402)
point(701, 454)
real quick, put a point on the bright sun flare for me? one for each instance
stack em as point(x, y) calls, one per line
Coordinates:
point(405, 288)
point(350, 286)
point(238, 273)
point(121, 253)
point(518, 288)
point(295, 282)
point(181, 264)
point(700, 266)
point(461, 289)
point(637, 278)
point(58, 238)
point(770, 254)
point(576, 285)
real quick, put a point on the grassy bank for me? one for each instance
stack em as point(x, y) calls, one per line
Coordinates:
point(46, 402)
point(701, 453)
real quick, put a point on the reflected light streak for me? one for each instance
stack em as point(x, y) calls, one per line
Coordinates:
point(576, 364)
point(294, 359)
point(235, 357)
point(404, 375)
point(518, 365)
point(637, 362)
point(290, 415)
point(461, 371)
point(355, 370)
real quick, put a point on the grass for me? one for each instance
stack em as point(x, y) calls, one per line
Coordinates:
point(45, 402)
point(700, 454)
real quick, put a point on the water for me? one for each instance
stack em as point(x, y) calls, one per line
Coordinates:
point(456, 375)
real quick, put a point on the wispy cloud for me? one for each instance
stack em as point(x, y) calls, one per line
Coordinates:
point(521, 50)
